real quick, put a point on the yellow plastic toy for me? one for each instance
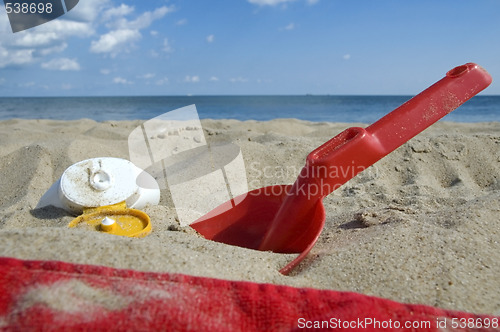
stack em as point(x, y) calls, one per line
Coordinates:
point(107, 191)
point(114, 219)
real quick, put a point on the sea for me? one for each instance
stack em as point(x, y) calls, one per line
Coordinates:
point(361, 109)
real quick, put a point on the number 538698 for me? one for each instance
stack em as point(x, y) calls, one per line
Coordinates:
point(28, 8)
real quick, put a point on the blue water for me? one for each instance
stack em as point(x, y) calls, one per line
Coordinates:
point(365, 109)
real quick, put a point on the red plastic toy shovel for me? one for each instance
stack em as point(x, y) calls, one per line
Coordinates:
point(289, 218)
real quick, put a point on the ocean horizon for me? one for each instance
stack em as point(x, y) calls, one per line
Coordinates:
point(318, 108)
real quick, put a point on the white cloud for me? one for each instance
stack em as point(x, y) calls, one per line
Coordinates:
point(290, 26)
point(166, 46)
point(55, 49)
point(147, 76)
point(191, 79)
point(66, 86)
point(238, 80)
point(210, 38)
point(124, 32)
point(26, 85)
point(145, 20)
point(15, 57)
point(214, 79)
point(181, 22)
point(268, 2)
point(87, 11)
point(142, 21)
point(63, 64)
point(162, 81)
point(115, 41)
point(105, 71)
point(153, 33)
point(121, 10)
point(346, 56)
point(277, 2)
point(37, 39)
point(121, 80)
point(30, 46)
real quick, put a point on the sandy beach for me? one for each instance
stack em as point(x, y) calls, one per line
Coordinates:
point(420, 226)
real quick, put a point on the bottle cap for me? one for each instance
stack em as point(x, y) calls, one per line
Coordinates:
point(99, 182)
point(114, 219)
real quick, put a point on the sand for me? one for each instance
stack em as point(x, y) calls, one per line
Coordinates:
point(421, 226)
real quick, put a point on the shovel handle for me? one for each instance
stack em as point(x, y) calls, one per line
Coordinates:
point(356, 149)
point(459, 85)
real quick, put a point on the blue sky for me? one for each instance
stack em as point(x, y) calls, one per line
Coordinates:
point(244, 47)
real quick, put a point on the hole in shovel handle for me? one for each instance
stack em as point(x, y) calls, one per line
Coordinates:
point(324, 153)
point(342, 158)
point(460, 70)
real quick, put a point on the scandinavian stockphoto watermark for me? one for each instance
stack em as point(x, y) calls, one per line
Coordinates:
point(199, 174)
point(319, 180)
point(26, 14)
point(203, 174)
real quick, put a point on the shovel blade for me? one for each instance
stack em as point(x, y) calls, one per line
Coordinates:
point(246, 223)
